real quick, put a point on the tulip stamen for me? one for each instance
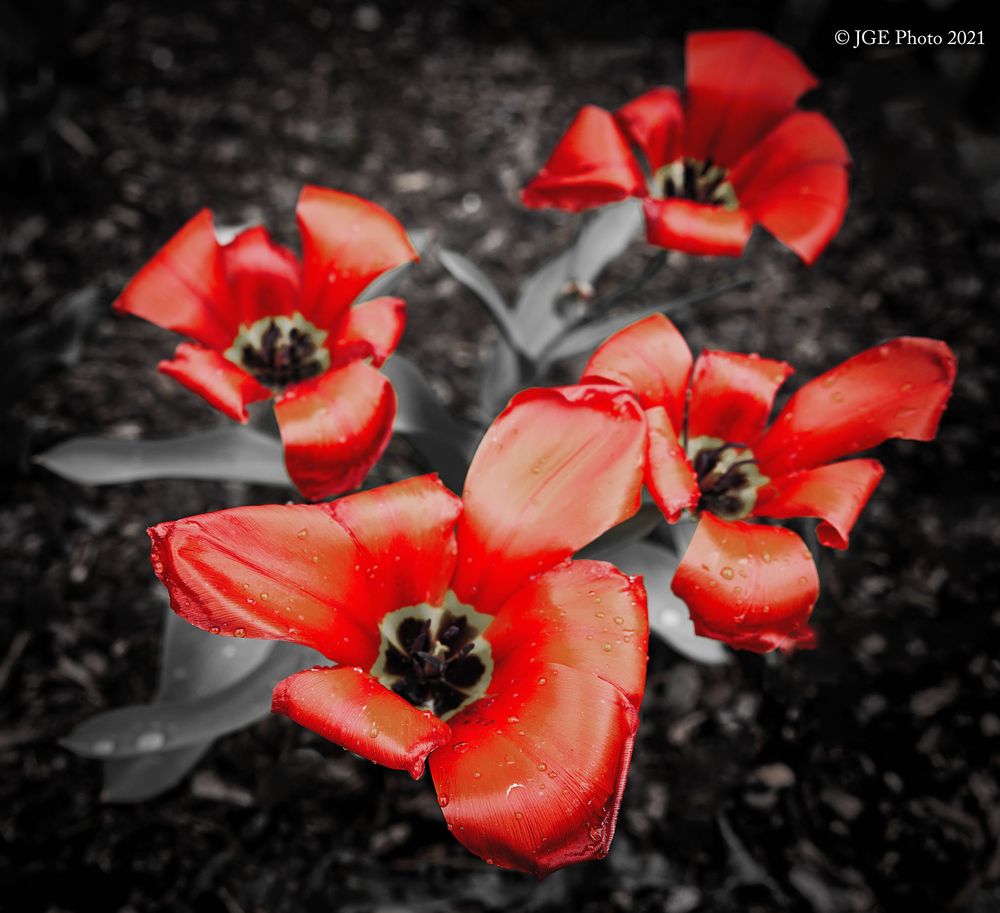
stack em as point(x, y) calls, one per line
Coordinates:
point(692, 179)
point(728, 477)
point(280, 350)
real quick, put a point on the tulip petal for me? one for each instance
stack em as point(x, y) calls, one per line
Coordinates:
point(591, 165)
point(895, 390)
point(557, 468)
point(534, 776)
point(379, 323)
point(836, 494)
point(740, 84)
point(748, 585)
point(263, 277)
point(655, 123)
point(670, 478)
point(215, 379)
point(732, 395)
point(335, 427)
point(354, 710)
point(696, 228)
point(347, 243)
point(183, 288)
point(304, 573)
point(794, 182)
point(584, 614)
point(650, 358)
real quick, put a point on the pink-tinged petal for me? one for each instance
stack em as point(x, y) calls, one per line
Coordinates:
point(835, 494)
point(264, 277)
point(750, 586)
point(584, 614)
point(895, 390)
point(352, 709)
point(655, 123)
point(405, 538)
point(650, 358)
point(696, 228)
point(215, 379)
point(794, 182)
point(557, 468)
point(347, 243)
point(322, 575)
point(335, 427)
point(670, 478)
point(740, 84)
point(732, 395)
point(591, 165)
point(379, 323)
point(183, 288)
point(535, 773)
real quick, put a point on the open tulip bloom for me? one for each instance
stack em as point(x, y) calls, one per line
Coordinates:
point(464, 631)
point(266, 324)
point(711, 452)
point(730, 152)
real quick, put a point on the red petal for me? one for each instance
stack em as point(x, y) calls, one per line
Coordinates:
point(347, 243)
point(216, 379)
point(895, 390)
point(557, 468)
point(592, 165)
point(352, 709)
point(794, 182)
point(405, 540)
point(696, 228)
point(655, 123)
point(670, 478)
point(835, 494)
point(263, 276)
point(379, 323)
point(183, 288)
point(584, 614)
point(335, 427)
point(750, 586)
point(740, 84)
point(651, 358)
point(534, 776)
point(732, 395)
point(309, 573)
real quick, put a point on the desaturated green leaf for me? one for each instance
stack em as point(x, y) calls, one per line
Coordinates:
point(232, 453)
point(668, 615)
point(603, 237)
point(473, 278)
point(164, 726)
point(500, 378)
point(445, 442)
point(138, 779)
point(636, 527)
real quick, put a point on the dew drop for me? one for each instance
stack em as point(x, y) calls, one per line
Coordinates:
point(727, 572)
point(619, 620)
point(442, 800)
point(240, 632)
point(542, 766)
point(214, 629)
point(302, 533)
point(606, 647)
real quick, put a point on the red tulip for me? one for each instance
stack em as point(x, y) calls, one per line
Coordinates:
point(731, 152)
point(518, 671)
point(267, 324)
point(749, 585)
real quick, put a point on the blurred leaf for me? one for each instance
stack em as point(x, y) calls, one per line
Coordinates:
point(499, 379)
point(138, 779)
point(165, 726)
point(602, 238)
point(232, 453)
point(474, 279)
point(445, 442)
point(583, 340)
point(387, 283)
point(668, 615)
point(636, 527)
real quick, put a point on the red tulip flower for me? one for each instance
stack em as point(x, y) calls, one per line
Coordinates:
point(518, 671)
point(750, 585)
point(730, 152)
point(266, 324)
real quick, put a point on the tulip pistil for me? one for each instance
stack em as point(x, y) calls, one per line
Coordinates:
point(728, 477)
point(280, 350)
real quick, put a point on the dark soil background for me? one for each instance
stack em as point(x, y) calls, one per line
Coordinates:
point(862, 776)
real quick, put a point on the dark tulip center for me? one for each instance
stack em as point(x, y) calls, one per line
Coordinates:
point(728, 477)
point(691, 179)
point(279, 351)
point(434, 658)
